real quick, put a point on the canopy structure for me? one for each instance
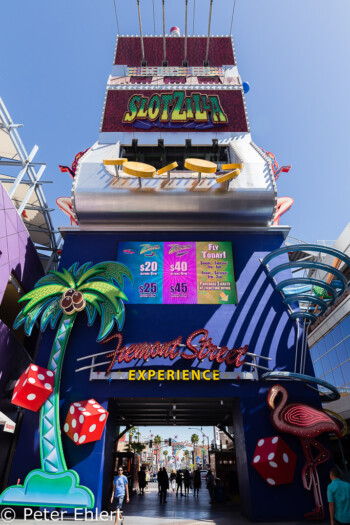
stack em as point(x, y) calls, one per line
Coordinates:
point(23, 184)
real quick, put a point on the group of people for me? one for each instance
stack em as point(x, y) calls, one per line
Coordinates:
point(338, 492)
point(182, 480)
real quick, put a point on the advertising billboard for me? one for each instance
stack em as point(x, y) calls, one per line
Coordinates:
point(179, 273)
point(171, 110)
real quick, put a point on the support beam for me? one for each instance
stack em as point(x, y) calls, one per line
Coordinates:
point(23, 171)
point(164, 43)
point(141, 36)
point(186, 6)
point(208, 37)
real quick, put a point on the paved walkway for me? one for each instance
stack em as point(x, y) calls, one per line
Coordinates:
point(146, 510)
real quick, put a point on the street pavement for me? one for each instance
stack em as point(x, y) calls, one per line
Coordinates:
point(145, 509)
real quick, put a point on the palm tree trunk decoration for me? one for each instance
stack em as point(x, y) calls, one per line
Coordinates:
point(61, 295)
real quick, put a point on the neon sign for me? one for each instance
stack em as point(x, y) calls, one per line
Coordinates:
point(172, 350)
point(175, 107)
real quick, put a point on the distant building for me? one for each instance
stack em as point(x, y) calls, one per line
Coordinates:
point(329, 339)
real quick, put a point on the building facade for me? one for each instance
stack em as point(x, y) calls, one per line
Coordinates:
point(177, 224)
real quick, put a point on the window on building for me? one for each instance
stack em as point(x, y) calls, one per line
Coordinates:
point(10, 308)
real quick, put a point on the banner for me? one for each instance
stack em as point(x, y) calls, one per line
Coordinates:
point(179, 272)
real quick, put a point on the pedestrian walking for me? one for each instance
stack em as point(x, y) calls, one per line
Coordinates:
point(187, 482)
point(211, 485)
point(164, 484)
point(179, 482)
point(142, 480)
point(338, 496)
point(197, 482)
point(173, 480)
point(120, 490)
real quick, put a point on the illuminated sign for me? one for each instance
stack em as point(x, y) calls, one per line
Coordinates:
point(170, 110)
point(175, 107)
point(179, 272)
point(206, 349)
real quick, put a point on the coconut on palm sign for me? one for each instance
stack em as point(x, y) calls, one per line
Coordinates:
point(60, 296)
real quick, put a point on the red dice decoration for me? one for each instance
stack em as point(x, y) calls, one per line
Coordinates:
point(274, 460)
point(85, 422)
point(33, 388)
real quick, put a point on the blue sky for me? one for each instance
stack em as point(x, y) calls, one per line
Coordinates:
point(56, 57)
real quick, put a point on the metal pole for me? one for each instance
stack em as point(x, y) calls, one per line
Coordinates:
point(142, 47)
point(302, 350)
point(186, 4)
point(164, 44)
point(305, 347)
point(296, 346)
point(207, 52)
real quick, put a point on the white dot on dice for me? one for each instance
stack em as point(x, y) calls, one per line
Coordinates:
point(271, 481)
point(256, 459)
point(96, 406)
point(74, 423)
point(71, 410)
point(48, 386)
point(271, 456)
point(82, 439)
point(100, 410)
point(76, 404)
point(81, 419)
point(261, 442)
point(41, 377)
point(285, 458)
point(103, 417)
point(273, 464)
point(274, 440)
point(31, 397)
point(66, 427)
point(31, 380)
point(92, 428)
point(75, 437)
point(49, 373)
point(34, 367)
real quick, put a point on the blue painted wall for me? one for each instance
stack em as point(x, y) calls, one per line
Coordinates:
point(259, 320)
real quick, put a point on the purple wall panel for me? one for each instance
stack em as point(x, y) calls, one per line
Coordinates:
point(18, 254)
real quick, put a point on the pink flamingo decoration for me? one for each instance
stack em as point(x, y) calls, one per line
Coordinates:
point(306, 423)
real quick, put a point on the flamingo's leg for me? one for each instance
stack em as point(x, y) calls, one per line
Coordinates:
point(310, 475)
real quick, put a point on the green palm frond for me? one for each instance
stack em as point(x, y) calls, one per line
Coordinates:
point(100, 285)
point(36, 295)
point(78, 272)
point(29, 318)
point(51, 314)
point(107, 271)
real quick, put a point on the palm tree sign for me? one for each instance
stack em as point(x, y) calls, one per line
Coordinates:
point(60, 296)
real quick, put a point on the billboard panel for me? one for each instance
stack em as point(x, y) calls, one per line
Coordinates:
point(171, 110)
point(179, 273)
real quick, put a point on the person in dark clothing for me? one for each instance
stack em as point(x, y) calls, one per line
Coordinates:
point(197, 482)
point(173, 480)
point(187, 482)
point(164, 484)
point(179, 482)
point(142, 480)
point(211, 485)
point(159, 476)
